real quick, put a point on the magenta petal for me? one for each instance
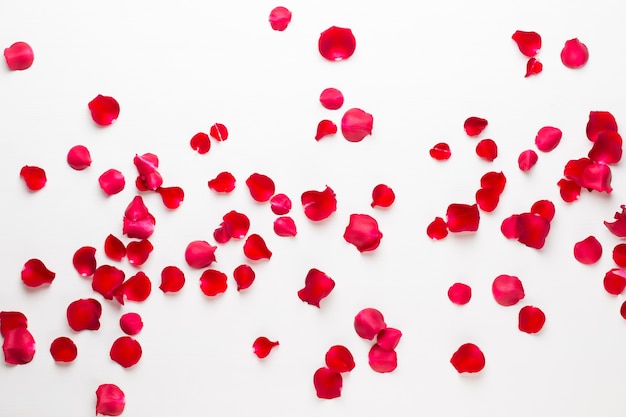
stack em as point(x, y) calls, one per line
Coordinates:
point(336, 43)
point(317, 285)
point(19, 56)
point(356, 124)
point(110, 400)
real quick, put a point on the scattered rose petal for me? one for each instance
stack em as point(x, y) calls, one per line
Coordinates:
point(527, 159)
point(618, 227)
point(597, 176)
point(487, 149)
point(319, 205)
point(487, 199)
point(106, 279)
point(261, 187)
point(468, 358)
point(474, 125)
point(574, 54)
point(437, 229)
point(35, 274)
point(317, 285)
point(619, 254)
point(607, 148)
point(221, 235)
point(149, 177)
point(460, 293)
point(544, 208)
point(114, 248)
point(19, 56)
point(218, 132)
point(84, 261)
point(388, 338)
point(84, 314)
point(615, 281)
point(381, 360)
point(331, 98)
point(509, 227)
point(126, 351)
point(244, 276)
point(280, 18)
point(235, 224)
point(280, 204)
point(172, 279)
point(339, 359)
point(569, 190)
point(104, 110)
point(34, 177)
point(213, 282)
point(200, 254)
point(336, 44)
point(18, 346)
point(588, 251)
point(507, 290)
point(356, 124)
point(131, 323)
point(462, 218)
point(224, 182)
point(79, 158)
point(533, 230)
point(112, 181)
point(63, 349)
point(368, 322)
point(599, 121)
point(110, 400)
point(200, 143)
point(138, 251)
point(575, 168)
point(494, 180)
point(622, 310)
point(362, 231)
point(548, 138)
point(528, 43)
point(285, 227)
point(255, 248)
point(533, 67)
point(262, 346)
point(10, 320)
point(136, 288)
point(531, 319)
point(327, 383)
point(171, 196)
point(325, 128)
point(440, 152)
point(382, 196)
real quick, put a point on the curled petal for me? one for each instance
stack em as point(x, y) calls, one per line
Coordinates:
point(235, 224)
point(112, 181)
point(171, 196)
point(10, 320)
point(527, 159)
point(528, 43)
point(356, 124)
point(34, 177)
point(336, 43)
point(84, 261)
point(331, 98)
point(507, 290)
point(106, 279)
point(440, 152)
point(280, 18)
point(325, 128)
point(213, 282)
point(362, 231)
point(262, 346)
point(569, 190)
point(487, 199)
point(219, 132)
point(131, 323)
point(388, 338)
point(140, 229)
point(35, 274)
point(139, 251)
point(136, 288)
point(533, 67)
point(468, 358)
point(618, 227)
point(588, 251)
point(575, 168)
point(327, 383)
point(244, 276)
point(317, 285)
point(487, 149)
point(615, 281)
point(19, 56)
point(149, 177)
point(544, 208)
point(474, 125)
point(18, 346)
point(368, 323)
point(462, 218)
point(381, 360)
point(533, 230)
point(110, 400)
point(460, 293)
point(548, 138)
point(574, 54)
point(172, 279)
point(339, 359)
point(84, 314)
point(319, 205)
point(531, 319)
point(494, 180)
point(114, 248)
point(63, 349)
point(437, 229)
point(382, 196)
point(221, 235)
point(136, 210)
point(200, 143)
point(79, 158)
point(126, 351)
point(280, 204)
point(104, 110)
point(261, 187)
point(200, 254)
point(607, 148)
point(224, 182)
point(598, 122)
point(255, 248)
point(597, 176)
point(285, 226)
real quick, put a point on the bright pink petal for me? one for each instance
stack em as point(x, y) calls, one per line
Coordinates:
point(381, 360)
point(619, 254)
point(528, 43)
point(468, 358)
point(219, 132)
point(104, 110)
point(35, 274)
point(494, 180)
point(615, 281)
point(597, 176)
point(319, 205)
point(388, 338)
point(531, 319)
point(607, 148)
point(327, 383)
point(224, 182)
point(172, 279)
point(339, 359)
point(213, 282)
point(474, 125)
point(440, 152)
point(527, 159)
point(110, 400)
point(10, 320)
point(533, 230)
point(280, 204)
point(569, 190)
point(317, 285)
point(84, 314)
point(19, 56)
point(200, 254)
point(574, 54)
point(261, 187)
point(325, 128)
point(106, 279)
point(280, 18)
point(262, 346)
point(362, 231)
point(462, 218)
point(533, 67)
point(285, 226)
point(84, 261)
point(18, 346)
point(114, 248)
point(63, 349)
point(356, 124)
point(255, 248)
point(368, 322)
point(618, 227)
point(200, 143)
point(598, 122)
point(382, 196)
point(336, 44)
point(244, 276)
point(548, 138)
point(171, 196)
point(34, 177)
point(510, 227)
point(126, 351)
point(460, 293)
point(507, 290)
point(236, 224)
point(79, 158)
point(112, 181)
point(487, 149)
point(437, 229)
point(544, 208)
point(588, 251)
point(331, 98)
point(138, 251)
point(131, 323)
point(487, 199)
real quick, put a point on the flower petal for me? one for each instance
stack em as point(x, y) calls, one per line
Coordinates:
point(84, 314)
point(574, 54)
point(598, 122)
point(200, 254)
point(507, 290)
point(588, 251)
point(35, 274)
point(244, 276)
point(84, 261)
point(336, 43)
point(319, 205)
point(531, 319)
point(368, 322)
point(112, 181)
point(327, 383)
point(63, 349)
point(382, 196)
point(381, 360)
point(34, 177)
point(615, 281)
point(339, 359)
point(171, 196)
point(325, 128)
point(618, 227)
point(110, 400)
point(200, 143)
point(462, 218)
point(527, 159)
point(19, 56)
point(131, 323)
point(280, 18)
point(440, 152)
point(10, 320)
point(236, 224)
point(79, 158)
point(138, 251)
point(460, 293)
point(468, 358)
point(528, 43)
point(136, 288)
point(548, 138)
point(356, 124)
point(261, 187)
point(388, 338)
point(219, 132)
point(224, 182)
point(18, 346)
point(362, 231)
point(126, 351)
point(533, 67)
point(114, 248)
point(262, 346)
point(285, 226)
point(213, 282)
point(487, 149)
point(104, 110)
point(317, 285)
point(106, 279)
point(474, 126)
point(331, 98)
point(172, 279)
point(607, 148)
point(437, 229)
point(255, 248)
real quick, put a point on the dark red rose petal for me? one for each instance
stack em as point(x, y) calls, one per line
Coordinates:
point(171, 196)
point(437, 229)
point(622, 310)
point(487, 199)
point(280, 204)
point(494, 180)
point(531, 319)
point(200, 142)
point(244, 276)
point(362, 231)
point(336, 44)
point(327, 383)
point(368, 322)
point(598, 122)
point(280, 18)
point(126, 351)
point(131, 323)
point(139, 251)
point(548, 138)
point(510, 227)
point(172, 279)
point(224, 182)
point(331, 98)
point(106, 279)
point(262, 346)
point(200, 254)
point(574, 54)
point(440, 152)
point(112, 181)
point(34, 177)
point(114, 248)
point(285, 227)
point(388, 338)
point(218, 132)
point(618, 227)
point(79, 158)
point(381, 360)
point(339, 359)
point(619, 254)
point(213, 282)
point(84, 261)
point(10, 320)
point(533, 230)
point(460, 293)
point(18, 346)
point(235, 224)
point(255, 248)
point(19, 56)
point(462, 218)
point(63, 349)
point(104, 110)
point(575, 168)
point(474, 126)
point(356, 124)
point(533, 67)
point(468, 358)
point(382, 196)
point(607, 148)
point(588, 251)
point(569, 190)
point(615, 281)
point(527, 159)
point(261, 187)
point(597, 176)
point(110, 400)
point(528, 43)
point(35, 273)
point(325, 128)
point(507, 290)
point(544, 208)
point(84, 314)
point(317, 285)
point(487, 149)
point(319, 205)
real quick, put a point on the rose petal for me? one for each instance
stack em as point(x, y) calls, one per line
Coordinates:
point(331, 98)
point(136, 288)
point(474, 125)
point(544, 208)
point(35, 274)
point(533, 230)
point(382, 196)
point(440, 152)
point(528, 43)
point(84, 261)
point(84, 314)
point(114, 248)
point(18, 346)
point(220, 234)
point(285, 227)
point(507, 290)
point(262, 346)
point(619, 254)
point(336, 43)
point(569, 190)
point(19, 56)
point(317, 285)
point(261, 187)
point(255, 248)
point(356, 124)
point(533, 67)
point(339, 359)
point(460, 293)
point(468, 358)
point(319, 205)
point(574, 54)
point(510, 227)
point(368, 323)
point(597, 176)
point(462, 218)
point(327, 383)
point(388, 338)
point(618, 227)
point(280, 204)
point(63, 349)
point(200, 143)
point(487, 149)
point(110, 400)
point(531, 319)
point(362, 231)
point(34, 177)
point(10, 320)
point(325, 128)
point(171, 196)
point(588, 251)
point(213, 282)
point(200, 254)
point(106, 279)
point(280, 18)
point(218, 132)
point(244, 276)
point(607, 148)
point(437, 229)
point(104, 110)
point(615, 281)
point(126, 351)
point(172, 279)
point(548, 138)
point(235, 224)
point(575, 168)
point(494, 180)
point(487, 199)
point(381, 360)
point(598, 122)
point(112, 181)
point(139, 251)
point(79, 158)
point(131, 323)
point(224, 182)
point(527, 159)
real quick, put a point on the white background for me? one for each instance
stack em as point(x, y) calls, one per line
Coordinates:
point(178, 67)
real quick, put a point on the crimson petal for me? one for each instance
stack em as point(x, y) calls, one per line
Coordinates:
point(533, 67)
point(235, 224)
point(569, 190)
point(531, 319)
point(544, 208)
point(110, 400)
point(138, 222)
point(440, 152)
point(437, 229)
point(34, 177)
point(213, 282)
point(598, 122)
point(79, 158)
point(362, 231)
point(224, 182)
point(533, 230)
point(200, 254)
point(114, 248)
point(382, 196)
point(615, 281)
point(339, 359)
point(462, 218)
point(607, 148)
point(319, 205)
point(63, 349)
point(588, 251)
point(381, 360)
point(336, 43)
point(507, 290)
point(548, 138)
point(106, 279)
point(574, 54)
point(460, 293)
point(597, 176)
point(18, 346)
point(280, 18)
point(126, 351)
point(255, 248)
point(131, 323)
point(262, 346)
point(331, 98)
point(84, 314)
point(474, 125)
point(139, 251)
point(388, 338)
point(136, 288)
point(200, 143)
point(10, 320)
point(261, 187)
point(112, 181)
point(19, 56)
point(171, 196)
point(285, 226)
point(356, 124)
point(618, 227)
point(35, 273)
point(219, 132)
point(104, 110)
point(528, 43)
point(84, 261)
point(487, 149)
point(468, 358)
point(368, 322)
point(527, 159)
point(172, 279)
point(244, 276)
point(325, 128)
point(317, 285)
point(619, 255)
point(327, 383)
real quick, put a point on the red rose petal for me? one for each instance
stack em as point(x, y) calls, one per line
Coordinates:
point(79, 157)
point(63, 349)
point(327, 383)
point(336, 44)
point(382, 196)
point(224, 182)
point(255, 248)
point(114, 248)
point(200, 142)
point(388, 338)
point(331, 98)
point(460, 293)
point(615, 281)
point(533, 67)
point(84, 261)
point(368, 322)
point(131, 323)
point(126, 351)
point(261, 187)
point(569, 190)
point(280, 18)
point(618, 227)
point(598, 122)
point(440, 152)
point(510, 227)
point(437, 229)
point(262, 346)
point(244, 276)
point(487, 149)
point(235, 224)
point(10, 320)
point(35, 274)
point(18, 346)
point(172, 279)
point(325, 128)
point(533, 230)
point(19, 56)
point(597, 176)
point(575, 168)
point(34, 177)
point(588, 251)
point(317, 285)
point(280, 204)
point(494, 180)
point(104, 110)
point(319, 205)
point(527, 159)
point(544, 208)
point(200, 254)
point(149, 178)
point(139, 251)
point(468, 358)
point(474, 125)
point(213, 282)
point(112, 181)
point(619, 254)
point(528, 43)
point(218, 132)
point(110, 400)
point(487, 199)
point(106, 279)
point(462, 218)
point(171, 196)
point(285, 226)
point(574, 54)
point(356, 124)
point(339, 359)
point(507, 290)
point(531, 319)
point(381, 360)
point(607, 148)
point(84, 314)
point(362, 231)
point(221, 235)
point(548, 138)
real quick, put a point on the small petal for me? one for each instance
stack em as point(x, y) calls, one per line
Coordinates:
point(615, 281)
point(280, 18)
point(10, 320)
point(548, 138)
point(139, 251)
point(261, 187)
point(528, 43)
point(437, 229)
point(487, 199)
point(510, 227)
point(213, 282)
point(598, 122)
point(236, 225)
point(317, 285)
point(462, 218)
point(19, 56)
point(114, 248)
point(331, 98)
point(262, 346)
point(336, 43)
point(569, 190)
point(110, 400)
point(574, 54)
point(474, 125)
point(171, 196)
point(588, 251)
point(224, 182)
point(527, 159)
point(468, 358)
point(84, 314)
point(106, 279)
point(172, 279)
point(388, 338)
point(325, 128)
point(219, 132)
point(597, 176)
point(79, 158)
point(618, 227)
point(63, 349)
point(356, 124)
point(131, 323)
point(244, 276)
point(319, 205)
point(126, 351)
point(362, 231)
point(533, 67)
point(487, 149)
point(327, 383)
point(544, 208)
point(285, 226)
point(280, 204)
point(149, 178)
point(255, 248)
point(35, 274)
point(533, 230)
point(84, 261)
point(381, 360)
point(494, 180)
point(440, 152)
point(18, 346)
point(607, 148)
point(104, 110)
point(531, 319)
point(460, 293)
point(339, 359)
point(619, 254)
point(507, 290)
point(112, 181)
point(200, 254)
point(34, 177)
point(368, 323)
point(382, 196)
point(200, 143)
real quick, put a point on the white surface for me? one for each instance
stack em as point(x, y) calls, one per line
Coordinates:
point(178, 67)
